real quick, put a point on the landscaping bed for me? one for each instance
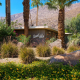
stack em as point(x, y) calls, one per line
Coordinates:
point(38, 70)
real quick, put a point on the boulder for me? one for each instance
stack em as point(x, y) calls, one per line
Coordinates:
point(71, 58)
point(56, 43)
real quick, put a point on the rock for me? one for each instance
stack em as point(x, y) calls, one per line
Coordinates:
point(58, 58)
point(14, 41)
point(71, 58)
point(20, 44)
point(56, 43)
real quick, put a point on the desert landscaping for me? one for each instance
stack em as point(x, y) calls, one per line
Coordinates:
point(42, 43)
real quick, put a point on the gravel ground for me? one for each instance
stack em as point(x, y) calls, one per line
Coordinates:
point(17, 60)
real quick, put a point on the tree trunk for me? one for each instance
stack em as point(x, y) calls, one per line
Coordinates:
point(26, 17)
point(61, 28)
point(8, 17)
point(37, 17)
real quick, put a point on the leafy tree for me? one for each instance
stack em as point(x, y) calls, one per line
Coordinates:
point(60, 4)
point(12, 24)
point(6, 30)
point(74, 25)
point(36, 3)
point(20, 24)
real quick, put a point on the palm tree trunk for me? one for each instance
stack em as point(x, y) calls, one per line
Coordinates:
point(8, 17)
point(61, 29)
point(26, 17)
point(37, 17)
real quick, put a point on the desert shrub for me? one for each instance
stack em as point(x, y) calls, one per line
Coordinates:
point(74, 40)
point(26, 55)
point(51, 40)
point(72, 48)
point(57, 50)
point(22, 38)
point(9, 50)
point(43, 50)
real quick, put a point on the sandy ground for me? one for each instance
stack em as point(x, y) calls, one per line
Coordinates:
point(17, 60)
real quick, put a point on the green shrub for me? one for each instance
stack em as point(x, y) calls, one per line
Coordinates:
point(51, 40)
point(26, 55)
point(6, 30)
point(57, 50)
point(22, 38)
point(9, 50)
point(43, 50)
point(72, 48)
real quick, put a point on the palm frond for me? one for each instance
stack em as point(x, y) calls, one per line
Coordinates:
point(69, 2)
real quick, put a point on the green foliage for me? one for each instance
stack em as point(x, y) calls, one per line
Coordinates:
point(22, 38)
point(26, 55)
point(0, 4)
point(43, 50)
point(44, 24)
point(39, 70)
point(51, 40)
point(72, 48)
point(36, 2)
point(6, 30)
point(74, 40)
point(9, 50)
point(57, 50)
point(55, 4)
point(74, 25)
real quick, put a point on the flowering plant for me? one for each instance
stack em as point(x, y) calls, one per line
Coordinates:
point(22, 38)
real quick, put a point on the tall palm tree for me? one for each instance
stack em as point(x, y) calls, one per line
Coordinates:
point(0, 3)
point(36, 3)
point(60, 4)
point(26, 16)
point(8, 17)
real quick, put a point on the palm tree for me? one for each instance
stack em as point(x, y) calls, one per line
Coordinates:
point(26, 16)
point(8, 17)
point(0, 3)
point(60, 4)
point(36, 3)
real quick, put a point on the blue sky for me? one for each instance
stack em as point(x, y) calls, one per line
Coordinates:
point(16, 7)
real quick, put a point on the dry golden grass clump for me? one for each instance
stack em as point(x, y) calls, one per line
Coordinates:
point(43, 50)
point(9, 50)
point(72, 48)
point(26, 55)
point(57, 50)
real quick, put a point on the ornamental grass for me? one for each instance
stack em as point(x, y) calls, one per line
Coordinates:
point(26, 55)
point(72, 48)
point(57, 50)
point(43, 50)
point(9, 50)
